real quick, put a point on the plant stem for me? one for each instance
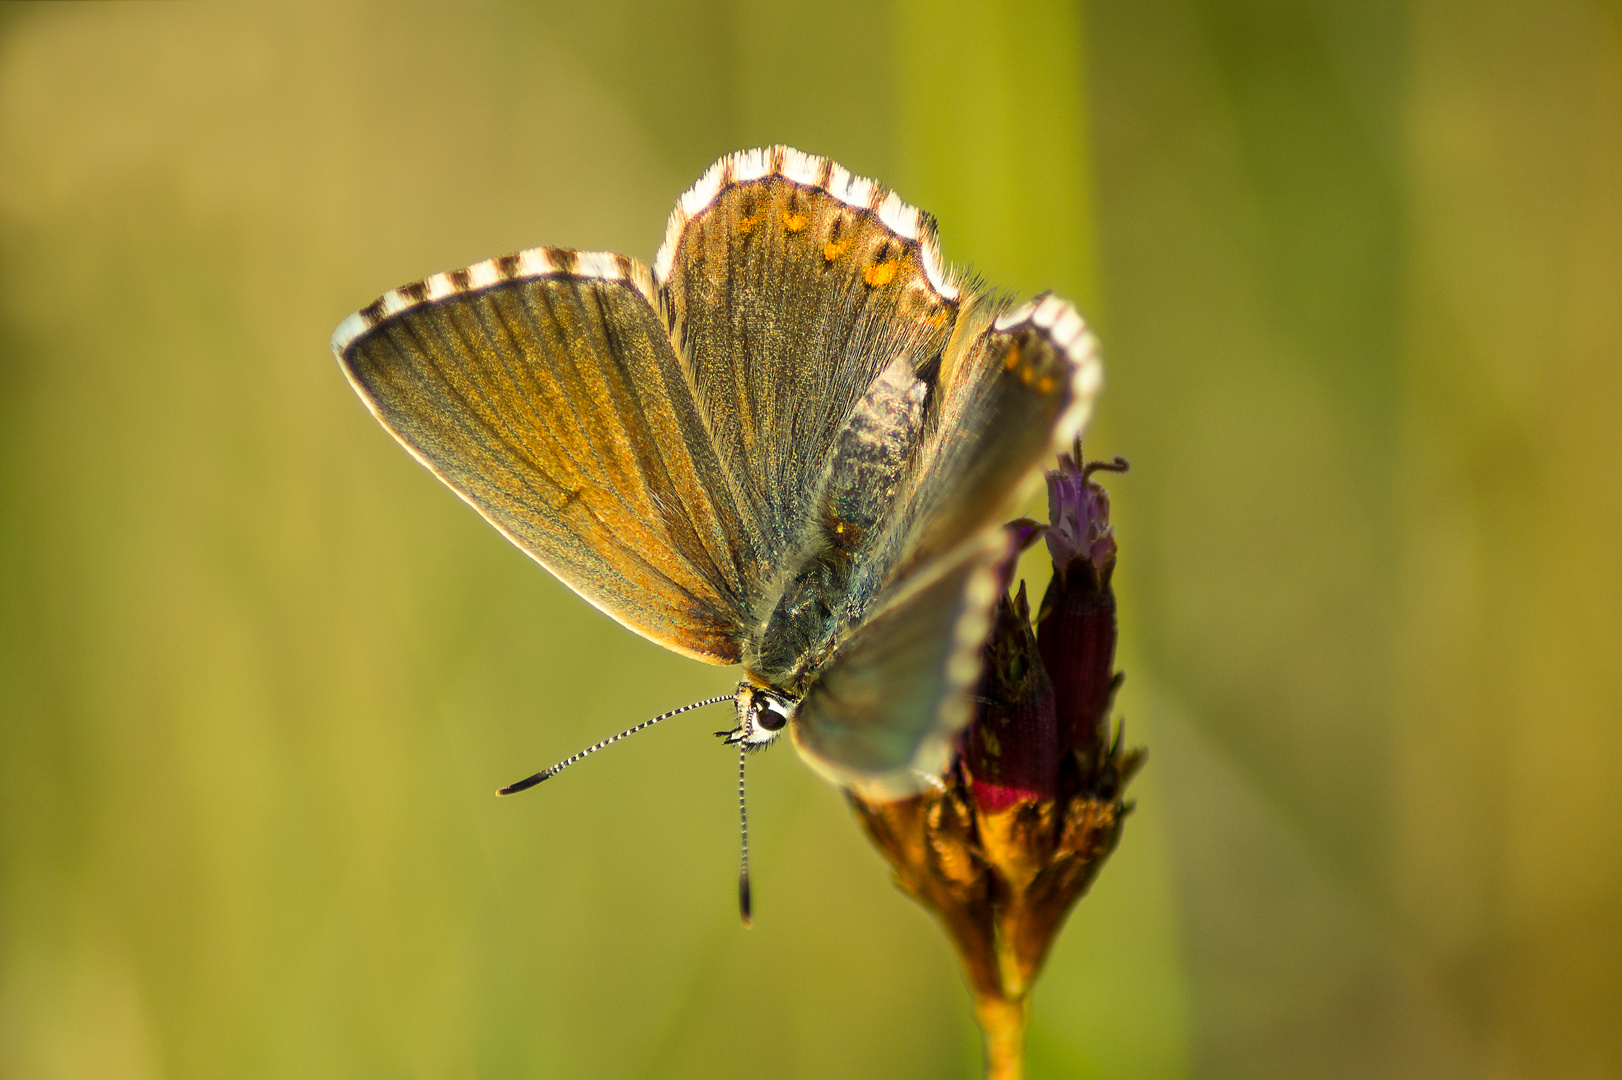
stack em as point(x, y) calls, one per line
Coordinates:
point(1003, 1023)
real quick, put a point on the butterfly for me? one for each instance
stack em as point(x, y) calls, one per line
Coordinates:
point(789, 445)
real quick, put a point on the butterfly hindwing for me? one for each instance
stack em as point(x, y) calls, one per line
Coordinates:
point(545, 390)
point(884, 713)
point(1016, 387)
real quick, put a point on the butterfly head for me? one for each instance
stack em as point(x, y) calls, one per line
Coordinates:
point(762, 716)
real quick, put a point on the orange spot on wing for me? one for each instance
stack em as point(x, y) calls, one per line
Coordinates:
point(745, 224)
point(832, 249)
point(1011, 361)
point(1045, 384)
point(793, 221)
point(880, 273)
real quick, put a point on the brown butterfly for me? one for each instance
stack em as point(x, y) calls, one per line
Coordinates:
point(789, 445)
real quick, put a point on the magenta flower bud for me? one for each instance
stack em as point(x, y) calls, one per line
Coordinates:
point(1013, 747)
point(1078, 512)
point(1076, 626)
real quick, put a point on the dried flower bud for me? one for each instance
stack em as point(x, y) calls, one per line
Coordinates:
point(1032, 805)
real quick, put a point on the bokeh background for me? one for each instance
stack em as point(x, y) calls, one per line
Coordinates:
point(1358, 273)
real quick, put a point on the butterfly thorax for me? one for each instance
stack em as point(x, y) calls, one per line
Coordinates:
point(845, 534)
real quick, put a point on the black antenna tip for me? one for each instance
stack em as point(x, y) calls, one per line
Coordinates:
point(743, 898)
point(526, 783)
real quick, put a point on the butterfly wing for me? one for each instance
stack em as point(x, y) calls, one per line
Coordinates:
point(543, 387)
point(882, 717)
point(1015, 388)
point(791, 285)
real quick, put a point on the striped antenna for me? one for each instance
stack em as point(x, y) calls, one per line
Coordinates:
point(743, 820)
point(547, 774)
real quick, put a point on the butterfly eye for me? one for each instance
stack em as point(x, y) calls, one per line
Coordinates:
point(770, 713)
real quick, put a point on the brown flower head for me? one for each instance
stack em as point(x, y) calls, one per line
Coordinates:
point(1032, 804)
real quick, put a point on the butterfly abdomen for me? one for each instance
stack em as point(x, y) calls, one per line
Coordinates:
point(854, 503)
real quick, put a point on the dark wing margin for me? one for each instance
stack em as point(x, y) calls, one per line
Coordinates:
point(544, 388)
point(790, 285)
point(883, 717)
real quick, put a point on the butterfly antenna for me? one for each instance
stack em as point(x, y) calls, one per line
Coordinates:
point(547, 774)
point(743, 821)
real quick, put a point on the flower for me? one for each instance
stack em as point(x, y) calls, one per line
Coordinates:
point(1032, 805)
point(1076, 626)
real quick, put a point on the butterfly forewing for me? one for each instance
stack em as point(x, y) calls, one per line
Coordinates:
point(554, 403)
point(791, 285)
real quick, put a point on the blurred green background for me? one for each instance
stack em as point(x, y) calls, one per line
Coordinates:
point(1358, 273)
